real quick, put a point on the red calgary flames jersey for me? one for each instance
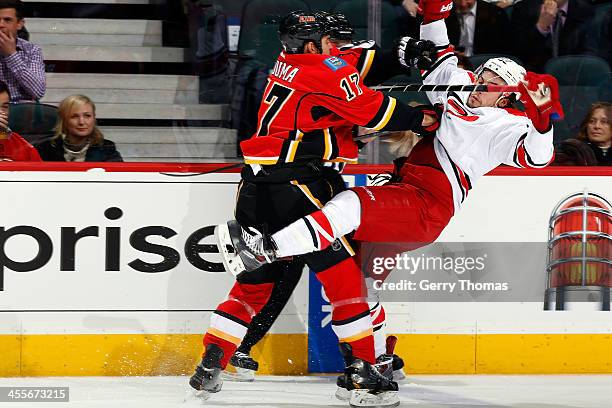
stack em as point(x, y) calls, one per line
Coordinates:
point(308, 106)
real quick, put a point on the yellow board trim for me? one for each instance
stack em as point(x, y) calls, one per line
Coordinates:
point(287, 354)
point(34, 355)
point(506, 353)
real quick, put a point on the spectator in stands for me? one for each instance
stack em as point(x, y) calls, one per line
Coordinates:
point(77, 138)
point(504, 3)
point(21, 62)
point(406, 16)
point(478, 27)
point(592, 146)
point(599, 35)
point(544, 29)
point(12, 146)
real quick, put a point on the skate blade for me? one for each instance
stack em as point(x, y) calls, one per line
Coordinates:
point(195, 398)
point(231, 261)
point(240, 375)
point(343, 394)
point(385, 399)
point(399, 375)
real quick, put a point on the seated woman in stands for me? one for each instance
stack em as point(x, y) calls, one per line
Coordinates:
point(592, 145)
point(77, 138)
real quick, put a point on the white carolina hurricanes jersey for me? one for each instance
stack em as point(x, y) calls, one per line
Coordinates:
point(473, 141)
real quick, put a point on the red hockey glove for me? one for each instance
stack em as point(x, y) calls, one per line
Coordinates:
point(431, 110)
point(540, 95)
point(433, 10)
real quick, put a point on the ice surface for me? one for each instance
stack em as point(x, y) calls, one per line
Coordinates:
point(456, 391)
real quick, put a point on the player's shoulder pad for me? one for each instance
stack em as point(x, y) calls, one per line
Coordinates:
point(335, 63)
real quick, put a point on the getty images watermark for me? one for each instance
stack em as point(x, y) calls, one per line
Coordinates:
point(405, 263)
point(456, 271)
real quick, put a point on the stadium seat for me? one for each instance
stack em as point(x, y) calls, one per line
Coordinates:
point(357, 13)
point(33, 121)
point(580, 78)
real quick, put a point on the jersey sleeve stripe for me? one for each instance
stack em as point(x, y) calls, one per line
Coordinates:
point(386, 109)
point(522, 157)
point(367, 64)
point(440, 60)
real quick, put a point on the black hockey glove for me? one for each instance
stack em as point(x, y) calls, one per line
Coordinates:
point(413, 53)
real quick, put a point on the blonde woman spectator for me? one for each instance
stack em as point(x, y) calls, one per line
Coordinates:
point(592, 145)
point(77, 138)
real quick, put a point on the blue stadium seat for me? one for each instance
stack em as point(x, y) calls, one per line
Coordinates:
point(33, 121)
point(580, 79)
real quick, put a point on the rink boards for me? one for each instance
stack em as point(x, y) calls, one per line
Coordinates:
point(109, 273)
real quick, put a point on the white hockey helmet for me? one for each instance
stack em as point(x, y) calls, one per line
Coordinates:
point(506, 69)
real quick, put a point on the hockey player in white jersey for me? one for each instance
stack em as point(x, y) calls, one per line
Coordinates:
point(478, 132)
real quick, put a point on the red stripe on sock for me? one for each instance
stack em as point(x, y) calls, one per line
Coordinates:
point(322, 223)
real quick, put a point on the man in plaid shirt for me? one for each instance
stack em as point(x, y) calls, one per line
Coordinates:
point(21, 62)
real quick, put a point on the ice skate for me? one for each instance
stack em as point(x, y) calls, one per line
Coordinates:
point(241, 367)
point(207, 377)
point(384, 365)
point(243, 249)
point(366, 385)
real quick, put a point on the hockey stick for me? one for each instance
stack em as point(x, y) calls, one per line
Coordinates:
point(218, 170)
point(381, 135)
point(446, 88)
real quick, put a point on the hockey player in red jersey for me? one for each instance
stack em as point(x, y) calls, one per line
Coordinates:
point(374, 66)
point(290, 173)
point(478, 131)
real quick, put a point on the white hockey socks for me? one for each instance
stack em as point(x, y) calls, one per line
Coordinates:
point(379, 320)
point(318, 230)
